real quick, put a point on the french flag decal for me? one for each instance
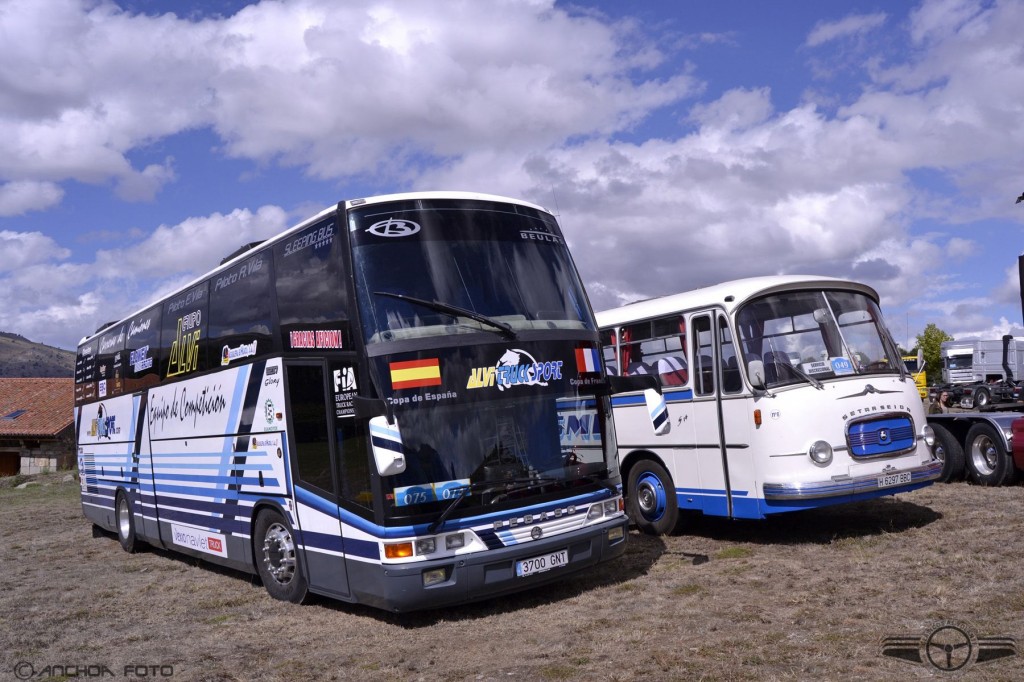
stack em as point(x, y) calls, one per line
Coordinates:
point(588, 360)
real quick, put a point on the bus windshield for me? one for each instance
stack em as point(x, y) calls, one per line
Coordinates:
point(438, 268)
point(816, 334)
point(536, 443)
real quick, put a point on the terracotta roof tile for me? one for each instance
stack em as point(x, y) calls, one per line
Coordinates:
point(48, 405)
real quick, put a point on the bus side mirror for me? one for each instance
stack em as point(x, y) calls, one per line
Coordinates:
point(658, 411)
point(755, 373)
point(386, 443)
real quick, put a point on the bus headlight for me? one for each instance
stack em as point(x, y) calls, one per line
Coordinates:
point(928, 434)
point(425, 546)
point(821, 453)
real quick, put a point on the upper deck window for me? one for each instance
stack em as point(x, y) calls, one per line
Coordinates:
point(505, 262)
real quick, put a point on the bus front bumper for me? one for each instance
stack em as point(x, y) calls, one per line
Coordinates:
point(475, 577)
point(838, 486)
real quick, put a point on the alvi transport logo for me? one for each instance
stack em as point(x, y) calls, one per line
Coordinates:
point(950, 647)
point(516, 367)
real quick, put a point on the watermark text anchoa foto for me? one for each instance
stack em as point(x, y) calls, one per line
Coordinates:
point(34, 671)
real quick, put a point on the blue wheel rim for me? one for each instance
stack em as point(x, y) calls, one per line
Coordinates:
point(651, 498)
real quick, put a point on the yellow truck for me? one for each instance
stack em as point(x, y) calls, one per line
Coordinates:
point(915, 365)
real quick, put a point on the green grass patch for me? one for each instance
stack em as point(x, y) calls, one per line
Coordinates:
point(734, 553)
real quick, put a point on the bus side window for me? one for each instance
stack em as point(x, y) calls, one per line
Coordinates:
point(240, 319)
point(312, 299)
point(183, 335)
point(611, 364)
point(703, 355)
point(142, 348)
point(633, 360)
point(731, 381)
point(110, 363)
point(671, 365)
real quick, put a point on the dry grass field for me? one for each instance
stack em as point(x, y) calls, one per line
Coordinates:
point(805, 596)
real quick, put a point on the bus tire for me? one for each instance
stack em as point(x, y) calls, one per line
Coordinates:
point(949, 450)
point(651, 498)
point(124, 520)
point(277, 558)
point(988, 462)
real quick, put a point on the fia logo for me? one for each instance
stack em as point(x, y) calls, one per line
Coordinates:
point(344, 380)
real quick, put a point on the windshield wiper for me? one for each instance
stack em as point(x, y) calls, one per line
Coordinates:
point(516, 484)
point(462, 492)
point(506, 486)
point(503, 328)
point(803, 375)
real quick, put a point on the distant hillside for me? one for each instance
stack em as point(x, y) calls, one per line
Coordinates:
point(20, 357)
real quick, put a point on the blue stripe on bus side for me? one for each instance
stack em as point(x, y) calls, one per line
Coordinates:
point(325, 506)
point(366, 549)
point(671, 396)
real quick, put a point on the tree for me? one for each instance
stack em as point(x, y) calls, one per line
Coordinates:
point(930, 343)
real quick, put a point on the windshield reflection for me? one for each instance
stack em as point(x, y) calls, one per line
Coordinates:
point(507, 264)
point(820, 334)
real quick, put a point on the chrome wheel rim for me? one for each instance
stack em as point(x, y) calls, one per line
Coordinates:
point(124, 521)
point(279, 554)
point(984, 455)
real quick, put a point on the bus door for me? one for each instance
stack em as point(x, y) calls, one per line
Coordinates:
point(314, 465)
point(720, 418)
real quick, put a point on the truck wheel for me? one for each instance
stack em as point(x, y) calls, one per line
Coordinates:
point(987, 460)
point(277, 558)
point(982, 397)
point(651, 498)
point(949, 450)
point(125, 518)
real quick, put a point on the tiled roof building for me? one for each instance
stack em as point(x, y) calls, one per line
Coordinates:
point(36, 425)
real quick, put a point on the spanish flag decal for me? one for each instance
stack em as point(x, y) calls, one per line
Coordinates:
point(415, 373)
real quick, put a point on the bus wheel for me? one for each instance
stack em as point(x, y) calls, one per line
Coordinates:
point(981, 397)
point(277, 558)
point(987, 459)
point(651, 498)
point(949, 450)
point(125, 522)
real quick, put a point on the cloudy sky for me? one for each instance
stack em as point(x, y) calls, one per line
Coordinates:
point(681, 144)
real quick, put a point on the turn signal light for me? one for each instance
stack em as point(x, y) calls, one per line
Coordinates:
point(398, 550)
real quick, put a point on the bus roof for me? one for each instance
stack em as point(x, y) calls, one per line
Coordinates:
point(728, 295)
point(352, 203)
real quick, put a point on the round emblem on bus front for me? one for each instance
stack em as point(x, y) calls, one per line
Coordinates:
point(393, 227)
point(536, 532)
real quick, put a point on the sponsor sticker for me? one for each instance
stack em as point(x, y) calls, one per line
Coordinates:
point(394, 227)
point(415, 373)
point(515, 368)
point(243, 351)
point(199, 540)
point(320, 338)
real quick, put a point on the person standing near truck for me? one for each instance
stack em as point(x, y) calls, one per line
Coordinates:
point(940, 405)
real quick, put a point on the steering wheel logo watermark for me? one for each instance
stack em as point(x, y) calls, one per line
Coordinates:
point(950, 647)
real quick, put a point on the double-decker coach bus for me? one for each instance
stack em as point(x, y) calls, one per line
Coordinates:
point(399, 402)
point(783, 393)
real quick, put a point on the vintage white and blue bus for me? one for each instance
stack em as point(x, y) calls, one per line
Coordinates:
point(398, 402)
point(784, 393)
